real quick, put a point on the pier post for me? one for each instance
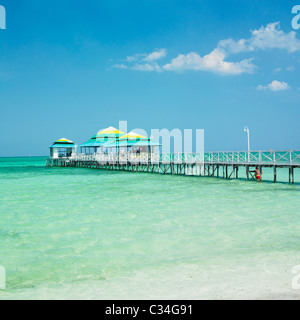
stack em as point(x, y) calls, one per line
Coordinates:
point(293, 176)
point(275, 174)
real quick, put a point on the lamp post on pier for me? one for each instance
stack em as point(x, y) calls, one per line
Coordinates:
point(246, 129)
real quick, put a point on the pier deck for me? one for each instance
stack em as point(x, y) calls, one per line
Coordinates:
point(213, 164)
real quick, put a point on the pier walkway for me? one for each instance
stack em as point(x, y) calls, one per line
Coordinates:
point(214, 164)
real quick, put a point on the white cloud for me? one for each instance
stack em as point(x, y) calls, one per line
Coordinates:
point(136, 57)
point(120, 66)
point(215, 62)
point(269, 37)
point(274, 86)
point(290, 68)
point(156, 55)
point(144, 61)
point(232, 46)
point(146, 67)
point(277, 70)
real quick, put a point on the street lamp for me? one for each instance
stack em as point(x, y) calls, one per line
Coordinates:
point(246, 129)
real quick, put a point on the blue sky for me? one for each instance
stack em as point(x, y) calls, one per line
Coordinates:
point(70, 68)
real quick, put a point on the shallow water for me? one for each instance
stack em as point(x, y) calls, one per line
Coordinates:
point(84, 233)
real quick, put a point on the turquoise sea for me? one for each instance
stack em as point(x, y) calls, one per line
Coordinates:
point(68, 233)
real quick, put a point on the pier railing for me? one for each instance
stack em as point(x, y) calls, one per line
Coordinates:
point(254, 157)
point(140, 158)
point(247, 158)
point(114, 158)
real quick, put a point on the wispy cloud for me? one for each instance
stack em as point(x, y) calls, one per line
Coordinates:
point(136, 57)
point(143, 61)
point(121, 66)
point(156, 55)
point(146, 67)
point(274, 86)
point(289, 69)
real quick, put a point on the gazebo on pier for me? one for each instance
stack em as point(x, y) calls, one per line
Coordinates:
point(132, 143)
point(95, 144)
point(62, 148)
point(90, 146)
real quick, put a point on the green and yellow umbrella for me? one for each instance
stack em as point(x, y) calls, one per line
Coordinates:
point(132, 136)
point(63, 143)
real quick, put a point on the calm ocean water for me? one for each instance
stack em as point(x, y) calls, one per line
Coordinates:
point(82, 233)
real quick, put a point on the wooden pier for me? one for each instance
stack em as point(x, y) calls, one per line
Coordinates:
point(226, 165)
